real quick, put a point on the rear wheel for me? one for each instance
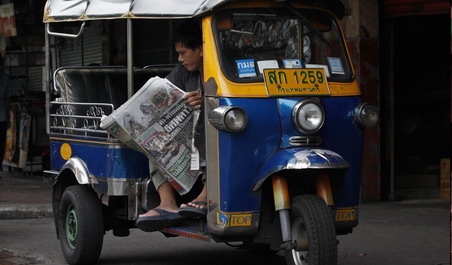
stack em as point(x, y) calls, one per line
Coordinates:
point(80, 224)
point(313, 229)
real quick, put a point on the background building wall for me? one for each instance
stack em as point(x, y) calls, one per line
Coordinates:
point(362, 35)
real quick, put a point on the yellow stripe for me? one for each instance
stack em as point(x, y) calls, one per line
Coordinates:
point(85, 141)
point(345, 89)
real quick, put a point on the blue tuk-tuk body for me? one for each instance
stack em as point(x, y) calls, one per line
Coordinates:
point(288, 178)
point(251, 163)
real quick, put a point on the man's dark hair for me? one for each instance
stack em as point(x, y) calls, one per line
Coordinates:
point(189, 34)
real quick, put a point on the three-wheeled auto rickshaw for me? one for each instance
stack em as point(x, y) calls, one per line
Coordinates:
point(284, 127)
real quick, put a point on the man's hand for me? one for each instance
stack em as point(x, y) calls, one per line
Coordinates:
point(193, 99)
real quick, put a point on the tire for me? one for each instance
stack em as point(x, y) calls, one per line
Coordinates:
point(312, 223)
point(80, 225)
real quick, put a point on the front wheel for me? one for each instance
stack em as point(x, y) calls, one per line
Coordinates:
point(313, 229)
point(80, 224)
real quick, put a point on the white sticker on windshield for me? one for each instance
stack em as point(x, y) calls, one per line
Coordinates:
point(245, 68)
point(336, 65)
point(268, 64)
point(292, 63)
point(319, 66)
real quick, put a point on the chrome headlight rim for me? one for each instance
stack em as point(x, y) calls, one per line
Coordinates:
point(295, 113)
point(360, 117)
point(218, 118)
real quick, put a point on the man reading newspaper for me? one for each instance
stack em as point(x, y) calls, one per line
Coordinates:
point(187, 76)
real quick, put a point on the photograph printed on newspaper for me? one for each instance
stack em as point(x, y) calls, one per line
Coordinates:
point(157, 122)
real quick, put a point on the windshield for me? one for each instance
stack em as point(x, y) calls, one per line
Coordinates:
point(250, 41)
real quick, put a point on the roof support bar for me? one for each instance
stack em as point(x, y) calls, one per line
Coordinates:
point(129, 59)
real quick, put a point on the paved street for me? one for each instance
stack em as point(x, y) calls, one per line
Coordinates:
point(401, 233)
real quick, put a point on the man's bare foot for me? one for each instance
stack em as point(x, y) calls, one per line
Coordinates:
point(195, 204)
point(167, 201)
point(202, 197)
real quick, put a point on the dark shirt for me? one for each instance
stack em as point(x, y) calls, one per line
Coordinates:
point(191, 81)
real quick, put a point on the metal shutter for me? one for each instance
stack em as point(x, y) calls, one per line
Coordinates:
point(84, 50)
point(152, 42)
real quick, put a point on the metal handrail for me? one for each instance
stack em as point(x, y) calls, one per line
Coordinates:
point(67, 35)
point(93, 115)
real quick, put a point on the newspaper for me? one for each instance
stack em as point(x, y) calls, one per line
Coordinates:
point(157, 122)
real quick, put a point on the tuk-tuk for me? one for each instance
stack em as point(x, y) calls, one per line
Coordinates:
point(284, 126)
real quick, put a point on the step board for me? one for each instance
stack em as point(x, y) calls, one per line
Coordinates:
point(191, 229)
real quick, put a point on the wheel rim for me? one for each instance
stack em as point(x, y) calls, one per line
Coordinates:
point(71, 226)
point(299, 233)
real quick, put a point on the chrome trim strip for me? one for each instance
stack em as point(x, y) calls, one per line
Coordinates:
point(116, 186)
point(133, 201)
point(145, 187)
point(47, 79)
point(305, 140)
point(213, 167)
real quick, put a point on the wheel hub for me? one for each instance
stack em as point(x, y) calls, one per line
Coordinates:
point(71, 227)
point(300, 255)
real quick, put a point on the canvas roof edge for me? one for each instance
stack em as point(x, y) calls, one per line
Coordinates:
point(125, 16)
point(63, 15)
point(200, 8)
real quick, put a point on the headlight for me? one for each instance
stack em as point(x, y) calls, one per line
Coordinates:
point(366, 114)
point(308, 116)
point(228, 118)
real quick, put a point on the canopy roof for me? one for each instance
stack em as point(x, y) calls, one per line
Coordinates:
point(79, 10)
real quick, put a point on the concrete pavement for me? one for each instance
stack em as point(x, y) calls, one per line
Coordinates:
point(24, 195)
point(414, 232)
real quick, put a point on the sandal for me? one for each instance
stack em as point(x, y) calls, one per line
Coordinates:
point(158, 222)
point(194, 212)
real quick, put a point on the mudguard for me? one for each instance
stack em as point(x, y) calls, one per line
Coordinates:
point(298, 158)
point(80, 170)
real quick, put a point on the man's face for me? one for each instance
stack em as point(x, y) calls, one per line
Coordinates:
point(190, 59)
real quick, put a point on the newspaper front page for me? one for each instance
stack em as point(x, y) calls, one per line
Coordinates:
point(157, 122)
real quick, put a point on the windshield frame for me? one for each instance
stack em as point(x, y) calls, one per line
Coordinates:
point(346, 78)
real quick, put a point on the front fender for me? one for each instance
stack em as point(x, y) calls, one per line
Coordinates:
point(79, 168)
point(298, 158)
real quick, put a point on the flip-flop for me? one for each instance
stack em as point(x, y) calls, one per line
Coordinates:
point(193, 212)
point(158, 222)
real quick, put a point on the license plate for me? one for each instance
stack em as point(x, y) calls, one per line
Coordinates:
point(346, 214)
point(296, 82)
